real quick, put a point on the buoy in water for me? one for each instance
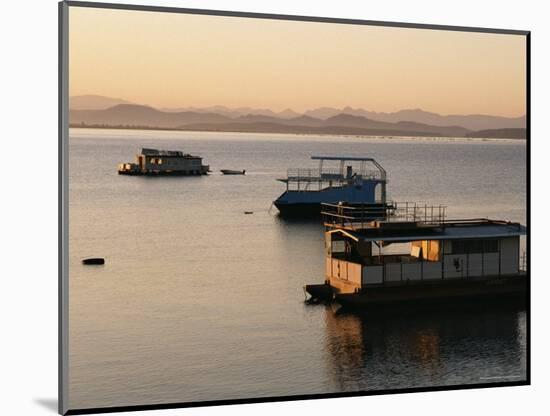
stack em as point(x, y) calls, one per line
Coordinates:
point(94, 260)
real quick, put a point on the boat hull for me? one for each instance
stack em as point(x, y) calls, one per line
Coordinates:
point(308, 203)
point(164, 173)
point(312, 210)
point(299, 209)
point(232, 172)
point(467, 294)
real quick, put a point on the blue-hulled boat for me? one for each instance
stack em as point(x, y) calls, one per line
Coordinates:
point(353, 180)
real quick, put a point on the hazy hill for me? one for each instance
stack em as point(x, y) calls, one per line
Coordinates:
point(235, 112)
point(315, 117)
point(93, 102)
point(444, 130)
point(500, 133)
point(471, 121)
point(288, 113)
point(139, 116)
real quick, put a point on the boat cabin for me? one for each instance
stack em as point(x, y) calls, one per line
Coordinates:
point(415, 244)
point(164, 162)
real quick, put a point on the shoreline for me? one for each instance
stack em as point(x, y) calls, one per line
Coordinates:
point(324, 135)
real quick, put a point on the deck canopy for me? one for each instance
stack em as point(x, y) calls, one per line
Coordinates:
point(167, 153)
point(450, 231)
point(343, 158)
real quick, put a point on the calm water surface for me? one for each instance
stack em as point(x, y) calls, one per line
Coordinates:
point(198, 301)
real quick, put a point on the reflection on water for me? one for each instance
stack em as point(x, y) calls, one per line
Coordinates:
point(425, 350)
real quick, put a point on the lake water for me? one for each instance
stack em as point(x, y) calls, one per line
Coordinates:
point(198, 301)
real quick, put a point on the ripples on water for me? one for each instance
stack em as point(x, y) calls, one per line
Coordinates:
point(198, 301)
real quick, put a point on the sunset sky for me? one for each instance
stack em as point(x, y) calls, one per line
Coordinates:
point(178, 60)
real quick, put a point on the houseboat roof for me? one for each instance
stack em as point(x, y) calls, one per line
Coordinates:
point(483, 228)
point(343, 158)
point(166, 153)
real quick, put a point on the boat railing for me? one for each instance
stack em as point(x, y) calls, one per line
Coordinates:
point(523, 262)
point(418, 212)
point(310, 175)
point(359, 216)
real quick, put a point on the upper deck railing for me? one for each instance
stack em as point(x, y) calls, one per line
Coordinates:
point(359, 216)
point(523, 262)
point(326, 175)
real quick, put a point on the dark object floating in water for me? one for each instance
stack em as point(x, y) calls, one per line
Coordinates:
point(94, 260)
point(249, 212)
point(233, 172)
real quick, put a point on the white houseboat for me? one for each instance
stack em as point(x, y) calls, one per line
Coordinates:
point(357, 180)
point(164, 162)
point(416, 256)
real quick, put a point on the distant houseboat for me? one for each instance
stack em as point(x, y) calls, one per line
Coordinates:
point(356, 180)
point(443, 260)
point(164, 162)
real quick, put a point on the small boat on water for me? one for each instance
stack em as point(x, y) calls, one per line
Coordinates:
point(232, 172)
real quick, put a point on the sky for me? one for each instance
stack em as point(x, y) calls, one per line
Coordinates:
point(178, 60)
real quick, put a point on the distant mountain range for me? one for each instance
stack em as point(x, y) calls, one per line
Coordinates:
point(471, 121)
point(98, 111)
point(236, 112)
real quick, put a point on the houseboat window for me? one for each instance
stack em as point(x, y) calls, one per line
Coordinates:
point(490, 246)
point(428, 250)
point(474, 246)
